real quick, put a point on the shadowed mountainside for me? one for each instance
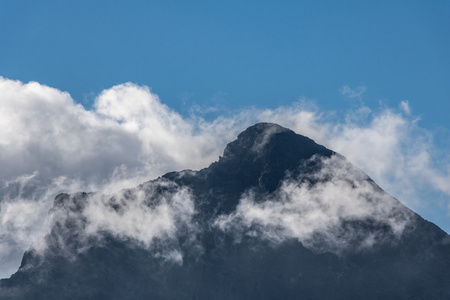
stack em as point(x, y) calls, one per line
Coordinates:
point(277, 217)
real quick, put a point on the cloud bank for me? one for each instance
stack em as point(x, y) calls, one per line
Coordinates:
point(153, 215)
point(50, 144)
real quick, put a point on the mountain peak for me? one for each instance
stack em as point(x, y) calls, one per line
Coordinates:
point(263, 154)
point(254, 138)
point(262, 129)
point(268, 141)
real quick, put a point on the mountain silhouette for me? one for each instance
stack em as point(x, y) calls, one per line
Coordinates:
point(276, 217)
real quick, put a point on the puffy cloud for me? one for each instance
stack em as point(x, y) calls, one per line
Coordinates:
point(45, 130)
point(48, 132)
point(128, 138)
point(50, 144)
point(320, 214)
point(395, 152)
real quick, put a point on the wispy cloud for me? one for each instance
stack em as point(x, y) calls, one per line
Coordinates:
point(320, 215)
point(353, 93)
point(404, 105)
point(153, 215)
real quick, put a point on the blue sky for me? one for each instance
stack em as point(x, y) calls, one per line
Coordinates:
point(254, 53)
point(369, 79)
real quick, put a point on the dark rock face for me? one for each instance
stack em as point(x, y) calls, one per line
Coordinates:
point(246, 227)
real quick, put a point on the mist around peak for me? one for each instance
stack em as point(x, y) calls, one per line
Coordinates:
point(50, 145)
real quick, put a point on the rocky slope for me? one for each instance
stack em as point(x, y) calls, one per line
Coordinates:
point(277, 217)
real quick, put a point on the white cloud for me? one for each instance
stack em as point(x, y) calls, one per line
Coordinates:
point(158, 211)
point(130, 136)
point(24, 204)
point(317, 214)
point(393, 150)
point(133, 216)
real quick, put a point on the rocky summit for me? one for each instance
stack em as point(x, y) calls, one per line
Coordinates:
point(276, 217)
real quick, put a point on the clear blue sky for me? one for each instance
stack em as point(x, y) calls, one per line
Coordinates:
point(237, 54)
point(262, 53)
